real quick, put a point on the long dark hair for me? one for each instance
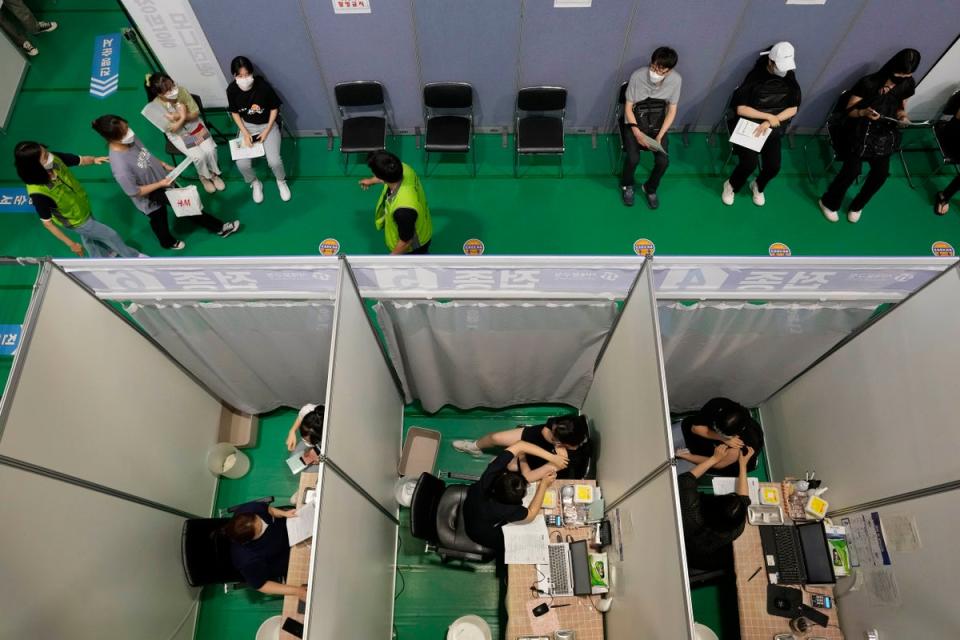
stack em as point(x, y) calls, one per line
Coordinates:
point(157, 84)
point(904, 61)
point(26, 158)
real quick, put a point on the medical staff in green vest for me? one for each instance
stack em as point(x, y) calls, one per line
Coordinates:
point(62, 203)
point(402, 210)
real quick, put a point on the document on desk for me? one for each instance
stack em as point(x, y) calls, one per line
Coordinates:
point(743, 135)
point(723, 486)
point(300, 526)
point(526, 543)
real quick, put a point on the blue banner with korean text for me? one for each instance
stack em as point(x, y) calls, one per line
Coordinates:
point(105, 74)
point(9, 338)
point(15, 200)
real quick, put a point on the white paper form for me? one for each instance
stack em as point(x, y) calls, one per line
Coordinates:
point(526, 543)
point(722, 486)
point(743, 135)
point(240, 152)
point(300, 526)
point(180, 168)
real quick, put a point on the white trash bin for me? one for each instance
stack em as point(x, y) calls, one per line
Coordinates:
point(270, 629)
point(226, 460)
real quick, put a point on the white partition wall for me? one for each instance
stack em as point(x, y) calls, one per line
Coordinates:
point(96, 400)
point(651, 597)
point(877, 417)
point(82, 565)
point(627, 400)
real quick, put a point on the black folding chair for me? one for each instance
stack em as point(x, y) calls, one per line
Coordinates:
point(538, 123)
point(833, 131)
point(359, 131)
point(215, 133)
point(618, 115)
point(945, 128)
point(727, 119)
point(448, 114)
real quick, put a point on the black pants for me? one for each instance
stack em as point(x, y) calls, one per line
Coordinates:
point(852, 166)
point(952, 188)
point(159, 222)
point(768, 158)
point(631, 159)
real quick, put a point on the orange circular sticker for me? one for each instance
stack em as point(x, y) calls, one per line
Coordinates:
point(473, 247)
point(644, 247)
point(943, 249)
point(779, 250)
point(329, 247)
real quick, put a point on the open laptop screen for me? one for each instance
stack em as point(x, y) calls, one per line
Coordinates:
point(816, 553)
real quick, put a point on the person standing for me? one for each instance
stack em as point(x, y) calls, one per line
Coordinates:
point(649, 109)
point(185, 130)
point(769, 96)
point(254, 107)
point(17, 10)
point(62, 203)
point(877, 105)
point(402, 210)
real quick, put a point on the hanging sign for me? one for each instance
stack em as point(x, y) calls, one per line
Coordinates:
point(9, 338)
point(473, 247)
point(351, 6)
point(329, 247)
point(105, 74)
point(779, 250)
point(15, 200)
point(644, 247)
point(943, 249)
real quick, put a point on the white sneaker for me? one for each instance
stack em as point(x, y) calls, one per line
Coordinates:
point(46, 27)
point(758, 197)
point(229, 228)
point(284, 190)
point(208, 185)
point(467, 446)
point(218, 183)
point(29, 49)
point(854, 216)
point(257, 188)
point(728, 194)
point(180, 246)
point(827, 213)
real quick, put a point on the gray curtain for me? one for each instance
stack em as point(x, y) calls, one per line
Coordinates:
point(746, 351)
point(494, 354)
point(257, 356)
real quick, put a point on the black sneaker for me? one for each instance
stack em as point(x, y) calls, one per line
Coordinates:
point(652, 200)
point(627, 194)
point(229, 228)
point(46, 27)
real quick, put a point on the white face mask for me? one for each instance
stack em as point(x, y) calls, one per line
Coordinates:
point(173, 93)
point(245, 82)
point(777, 72)
point(48, 165)
point(128, 138)
point(656, 78)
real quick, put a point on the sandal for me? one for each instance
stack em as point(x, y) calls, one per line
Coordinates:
point(941, 205)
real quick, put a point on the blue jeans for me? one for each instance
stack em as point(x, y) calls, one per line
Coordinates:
point(99, 240)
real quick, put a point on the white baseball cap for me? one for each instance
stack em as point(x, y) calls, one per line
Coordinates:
point(782, 56)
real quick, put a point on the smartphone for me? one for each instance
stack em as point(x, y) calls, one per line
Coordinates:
point(293, 627)
point(256, 138)
point(820, 601)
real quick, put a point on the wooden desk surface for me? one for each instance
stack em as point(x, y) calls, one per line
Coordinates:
point(581, 616)
point(298, 567)
point(755, 622)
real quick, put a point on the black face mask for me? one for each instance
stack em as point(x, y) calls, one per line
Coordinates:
point(898, 80)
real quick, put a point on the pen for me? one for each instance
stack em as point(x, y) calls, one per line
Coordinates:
point(557, 606)
point(754, 574)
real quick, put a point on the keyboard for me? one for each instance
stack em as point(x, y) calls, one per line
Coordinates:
point(788, 560)
point(561, 582)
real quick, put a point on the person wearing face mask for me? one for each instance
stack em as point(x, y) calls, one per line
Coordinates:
point(260, 548)
point(651, 106)
point(144, 179)
point(721, 420)
point(877, 104)
point(254, 106)
point(185, 130)
point(62, 203)
point(769, 96)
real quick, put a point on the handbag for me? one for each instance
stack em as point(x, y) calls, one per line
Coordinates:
point(650, 114)
point(874, 140)
point(185, 201)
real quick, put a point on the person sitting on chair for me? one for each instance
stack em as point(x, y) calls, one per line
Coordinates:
point(566, 436)
point(497, 498)
point(260, 549)
point(951, 135)
point(720, 420)
point(711, 523)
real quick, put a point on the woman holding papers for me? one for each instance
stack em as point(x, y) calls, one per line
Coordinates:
point(144, 178)
point(178, 116)
point(260, 548)
point(768, 97)
point(255, 106)
point(876, 107)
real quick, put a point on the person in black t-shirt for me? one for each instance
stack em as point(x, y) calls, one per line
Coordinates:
point(951, 134)
point(260, 549)
point(496, 499)
point(720, 420)
point(877, 102)
point(769, 96)
point(564, 437)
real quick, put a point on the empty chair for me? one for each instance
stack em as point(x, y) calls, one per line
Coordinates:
point(436, 515)
point(538, 123)
point(448, 114)
point(361, 132)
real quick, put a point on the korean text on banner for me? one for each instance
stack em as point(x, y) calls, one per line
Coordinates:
point(15, 200)
point(174, 34)
point(105, 72)
point(9, 338)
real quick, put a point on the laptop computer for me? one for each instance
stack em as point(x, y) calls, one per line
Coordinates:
point(797, 554)
point(568, 572)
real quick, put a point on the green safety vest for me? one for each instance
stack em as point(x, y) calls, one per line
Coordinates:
point(410, 195)
point(73, 205)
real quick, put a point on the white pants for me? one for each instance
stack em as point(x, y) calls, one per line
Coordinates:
point(204, 155)
point(271, 148)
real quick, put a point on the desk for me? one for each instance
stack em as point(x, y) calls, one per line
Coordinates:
point(298, 567)
point(581, 616)
point(755, 622)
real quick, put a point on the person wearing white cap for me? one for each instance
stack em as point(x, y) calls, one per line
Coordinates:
point(769, 96)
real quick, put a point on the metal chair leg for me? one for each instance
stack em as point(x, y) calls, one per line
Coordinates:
point(906, 170)
point(516, 164)
point(346, 164)
point(561, 166)
point(473, 155)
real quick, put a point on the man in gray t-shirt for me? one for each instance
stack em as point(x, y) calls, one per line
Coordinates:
point(654, 92)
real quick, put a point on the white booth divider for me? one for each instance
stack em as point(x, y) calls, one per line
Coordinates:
point(83, 565)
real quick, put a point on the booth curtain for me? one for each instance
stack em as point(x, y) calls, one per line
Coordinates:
point(493, 354)
point(746, 351)
point(257, 356)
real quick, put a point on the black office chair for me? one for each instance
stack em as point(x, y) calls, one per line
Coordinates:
point(448, 114)
point(538, 123)
point(217, 135)
point(722, 571)
point(361, 133)
point(205, 551)
point(436, 515)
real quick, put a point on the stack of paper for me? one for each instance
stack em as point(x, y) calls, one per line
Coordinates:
point(526, 543)
point(722, 486)
point(300, 526)
point(240, 152)
point(744, 135)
